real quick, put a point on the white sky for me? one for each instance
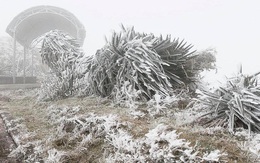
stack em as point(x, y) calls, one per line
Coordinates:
point(231, 26)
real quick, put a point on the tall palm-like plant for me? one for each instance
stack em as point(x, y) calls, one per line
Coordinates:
point(140, 62)
point(61, 53)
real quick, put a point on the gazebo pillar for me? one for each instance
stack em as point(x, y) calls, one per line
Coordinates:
point(14, 58)
point(32, 68)
point(25, 52)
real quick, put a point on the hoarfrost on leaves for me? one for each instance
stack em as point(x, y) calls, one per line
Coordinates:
point(160, 144)
point(81, 132)
point(63, 54)
point(159, 103)
point(251, 143)
point(213, 156)
point(54, 156)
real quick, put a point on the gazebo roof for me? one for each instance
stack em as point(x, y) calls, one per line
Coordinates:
point(38, 20)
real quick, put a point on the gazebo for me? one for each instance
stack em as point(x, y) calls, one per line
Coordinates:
point(36, 21)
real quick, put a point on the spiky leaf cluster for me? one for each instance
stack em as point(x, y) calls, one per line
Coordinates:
point(237, 102)
point(147, 63)
point(62, 53)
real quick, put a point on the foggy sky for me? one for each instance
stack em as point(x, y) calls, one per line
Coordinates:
point(232, 27)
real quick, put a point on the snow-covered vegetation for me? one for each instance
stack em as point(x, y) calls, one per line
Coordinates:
point(150, 104)
point(77, 135)
point(93, 129)
point(62, 54)
point(236, 104)
point(135, 66)
point(135, 69)
point(131, 67)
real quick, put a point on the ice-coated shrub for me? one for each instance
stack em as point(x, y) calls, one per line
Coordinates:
point(147, 63)
point(235, 104)
point(130, 68)
point(63, 54)
point(52, 88)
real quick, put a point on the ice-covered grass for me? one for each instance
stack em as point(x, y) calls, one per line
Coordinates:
point(79, 136)
point(80, 129)
point(76, 136)
point(161, 144)
point(251, 143)
point(189, 115)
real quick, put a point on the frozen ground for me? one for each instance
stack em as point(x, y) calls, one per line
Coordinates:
point(91, 128)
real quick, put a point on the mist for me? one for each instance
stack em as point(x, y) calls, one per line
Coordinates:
point(231, 27)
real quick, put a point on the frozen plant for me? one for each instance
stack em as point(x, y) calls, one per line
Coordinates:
point(159, 103)
point(235, 104)
point(127, 96)
point(58, 113)
point(25, 150)
point(166, 146)
point(124, 147)
point(161, 144)
point(213, 156)
point(54, 156)
point(78, 132)
point(62, 53)
point(148, 63)
point(51, 88)
point(251, 143)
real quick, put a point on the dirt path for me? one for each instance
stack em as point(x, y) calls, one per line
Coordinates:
point(6, 144)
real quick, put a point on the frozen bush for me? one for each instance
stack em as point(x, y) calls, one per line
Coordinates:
point(236, 103)
point(63, 54)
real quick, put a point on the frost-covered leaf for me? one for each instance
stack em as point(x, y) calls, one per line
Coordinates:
point(213, 156)
point(236, 102)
